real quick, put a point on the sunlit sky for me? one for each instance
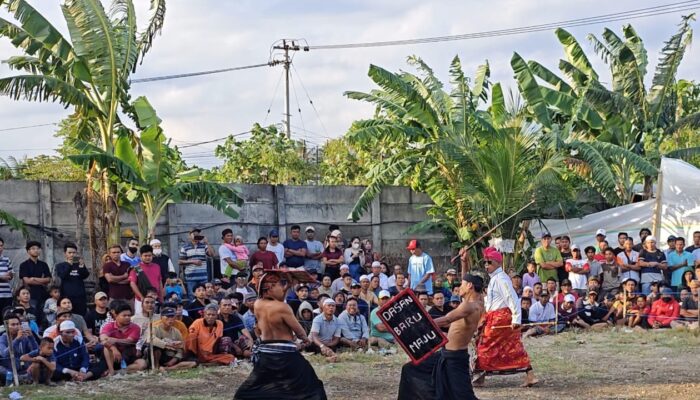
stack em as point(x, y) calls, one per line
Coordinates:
point(204, 35)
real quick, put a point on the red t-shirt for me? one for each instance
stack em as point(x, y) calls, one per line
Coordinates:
point(120, 291)
point(152, 272)
point(269, 259)
point(131, 331)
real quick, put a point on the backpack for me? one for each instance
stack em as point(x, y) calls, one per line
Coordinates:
point(142, 281)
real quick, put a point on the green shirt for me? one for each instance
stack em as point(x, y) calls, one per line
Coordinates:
point(543, 256)
point(374, 320)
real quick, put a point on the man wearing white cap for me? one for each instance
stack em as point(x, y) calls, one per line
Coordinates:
point(162, 259)
point(326, 329)
point(377, 271)
point(365, 293)
point(314, 250)
point(379, 334)
point(653, 263)
point(600, 236)
point(338, 283)
point(72, 359)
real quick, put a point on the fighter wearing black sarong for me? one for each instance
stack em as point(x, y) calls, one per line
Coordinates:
point(440, 376)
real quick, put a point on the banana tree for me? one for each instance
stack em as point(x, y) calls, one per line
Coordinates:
point(615, 132)
point(13, 222)
point(88, 73)
point(148, 173)
point(478, 165)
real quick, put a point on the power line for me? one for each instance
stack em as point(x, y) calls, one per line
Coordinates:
point(624, 15)
point(310, 101)
point(213, 140)
point(200, 73)
point(16, 128)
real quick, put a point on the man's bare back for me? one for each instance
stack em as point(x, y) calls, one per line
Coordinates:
point(273, 320)
point(462, 330)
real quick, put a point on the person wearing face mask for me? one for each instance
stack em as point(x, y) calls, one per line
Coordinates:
point(132, 252)
point(160, 258)
point(354, 257)
point(664, 310)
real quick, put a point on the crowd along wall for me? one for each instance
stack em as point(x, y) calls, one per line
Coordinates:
point(51, 210)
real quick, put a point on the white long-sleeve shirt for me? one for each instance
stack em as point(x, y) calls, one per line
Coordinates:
point(501, 294)
point(540, 313)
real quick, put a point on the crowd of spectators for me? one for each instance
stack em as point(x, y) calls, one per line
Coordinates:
point(146, 315)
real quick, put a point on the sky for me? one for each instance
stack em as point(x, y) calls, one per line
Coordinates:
point(212, 34)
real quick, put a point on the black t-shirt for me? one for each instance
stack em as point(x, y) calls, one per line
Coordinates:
point(195, 309)
point(692, 248)
point(38, 269)
point(561, 272)
point(95, 320)
point(618, 250)
point(233, 327)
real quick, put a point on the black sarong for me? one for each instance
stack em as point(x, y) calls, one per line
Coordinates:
point(443, 375)
point(280, 372)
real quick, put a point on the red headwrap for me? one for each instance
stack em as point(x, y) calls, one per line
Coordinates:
point(490, 253)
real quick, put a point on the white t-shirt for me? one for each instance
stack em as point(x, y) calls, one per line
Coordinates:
point(624, 259)
point(278, 249)
point(578, 281)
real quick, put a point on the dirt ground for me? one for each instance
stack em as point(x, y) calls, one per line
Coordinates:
point(579, 365)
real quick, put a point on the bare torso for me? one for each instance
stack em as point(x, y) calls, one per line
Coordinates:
point(271, 318)
point(462, 330)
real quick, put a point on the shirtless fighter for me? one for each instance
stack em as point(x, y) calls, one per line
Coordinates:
point(445, 374)
point(279, 370)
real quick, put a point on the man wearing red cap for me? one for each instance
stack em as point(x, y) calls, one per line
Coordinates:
point(499, 348)
point(420, 267)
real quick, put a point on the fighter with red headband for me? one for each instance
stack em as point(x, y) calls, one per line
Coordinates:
point(279, 370)
point(499, 348)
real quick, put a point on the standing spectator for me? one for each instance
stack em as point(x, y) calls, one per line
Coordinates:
point(530, 277)
point(664, 310)
point(35, 274)
point(162, 259)
point(193, 256)
point(119, 339)
point(203, 339)
point(694, 248)
point(51, 304)
point(578, 269)
point(383, 279)
point(653, 263)
point(314, 251)
point(73, 273)
point(275, 246)
point(116, 273)
point(379, 333)
point(325, 330)
point(611, 274)
point(354, 257)
point(96, 317)
point(548, 259)
point(392, 279)
point(145, 275)
point(627, 259)
point(295, 249)
point(600, 236)
point(22, 341)
point(594, 267)
point(332, 258)
point(420, 267)
point(264, 257)
point(671, 245)
point(132, 252)
point(353, 327)
point(565, 251)
point(229, 260)
point(6, 275)
point(679, 261)
point(643, 233)
point(621, 239)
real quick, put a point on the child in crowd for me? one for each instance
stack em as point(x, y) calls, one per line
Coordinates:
point(174, 285)
point(530, 278)
point(43, 362)
point(639, 312)
point(240, 250)
point(51, 304)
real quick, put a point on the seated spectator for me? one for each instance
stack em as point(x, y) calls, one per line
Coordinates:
point(377, 272)
point(439, 308)
point(517, 282)
point(173, 284)
point(196, 306)
point(612, 273)
point(455, 300)
point(639, 312)
point(689, 309)
point(541, 312)
point(655, 294)
point(325, 287)
point(206, 339)
point(241, 340)
point(96, 317)
point(34, 316)
point(144, 319)
point(168, 343)
point(242, 285)
point(22, 341)
point(567, 312)
point(379, 334)
point(367, 295)
point(302, 294)
point(664, 311)
point(688, 277)
point(51, 304)
point(353, 327)
point(536, 292)
point(626, 301)
point(525, 304)
point(72, 359)
point(374, 286)
point(339, 299)
point(590, 311)
point(362, 305)
point(552, 289)
point(305, 316)
point(90, 340)
point(530, 277)
point(326, 330)
point(423, 299)
point(42, 362)
point(400, 284)
point(178, 322)
point(566, 289)
point(528, 292)
point(53, 331)
point(340, 282)
point(119, 338)
point(249, 316)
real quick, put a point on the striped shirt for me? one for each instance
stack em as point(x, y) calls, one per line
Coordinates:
point(5, 267)
point(195, 273)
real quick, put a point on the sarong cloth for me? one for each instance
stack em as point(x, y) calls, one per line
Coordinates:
point(280, 372)
point(500, 350)
point(444, 375)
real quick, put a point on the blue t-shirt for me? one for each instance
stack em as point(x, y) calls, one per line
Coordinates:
point(674, 258)
point(418, 267)
point(294, 261)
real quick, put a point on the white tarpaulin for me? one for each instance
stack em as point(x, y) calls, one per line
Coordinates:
point(679, 215)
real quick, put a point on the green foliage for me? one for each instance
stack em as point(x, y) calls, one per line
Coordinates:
point(267, 157)
point(13, 222)
point(345, 163)
point(51, 168)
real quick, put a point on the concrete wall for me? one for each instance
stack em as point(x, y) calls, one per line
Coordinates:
point(48, 207)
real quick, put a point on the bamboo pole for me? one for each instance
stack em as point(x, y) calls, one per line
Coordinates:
point(530, 324)
point(658, 205)
point(150, 342)
point(11, 348)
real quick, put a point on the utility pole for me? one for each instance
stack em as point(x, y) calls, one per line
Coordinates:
point(286, 46)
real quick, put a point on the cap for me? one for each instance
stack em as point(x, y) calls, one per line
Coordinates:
point(593, 278)
point(355, 285)
point(250, 296)
point(671, 238)
point(274, 233)
point(242, 275)
point(600, 231)
point(302, 286)
point(154, 241)
point(592, 291)
point(667, 291)
point(574, 247)
point(217, 281)
point(544, 293)
point(413, 244)
point(650, 238)
point(569, 298)
point(67, 326)
point(257, 266)
point(383, 294)
point(193, 230)
point(565, 282)
point(336, 233)
point(490, 253)
point(451, 271)
point(100, 295)
point(376, 264)
point(167, 312)
point(454, 298)
point(62, 311)
point(364, 278)
point(309, 229)
point(345, 266)
point(328, 302)
point(546, 234)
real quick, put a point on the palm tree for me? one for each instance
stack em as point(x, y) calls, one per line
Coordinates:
point(614, 133)
point(88, 73)
point(10, 168)
point(478, 166)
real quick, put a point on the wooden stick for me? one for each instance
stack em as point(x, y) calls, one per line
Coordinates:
point(11, 348)
point(150, 342)
point(530, 324)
